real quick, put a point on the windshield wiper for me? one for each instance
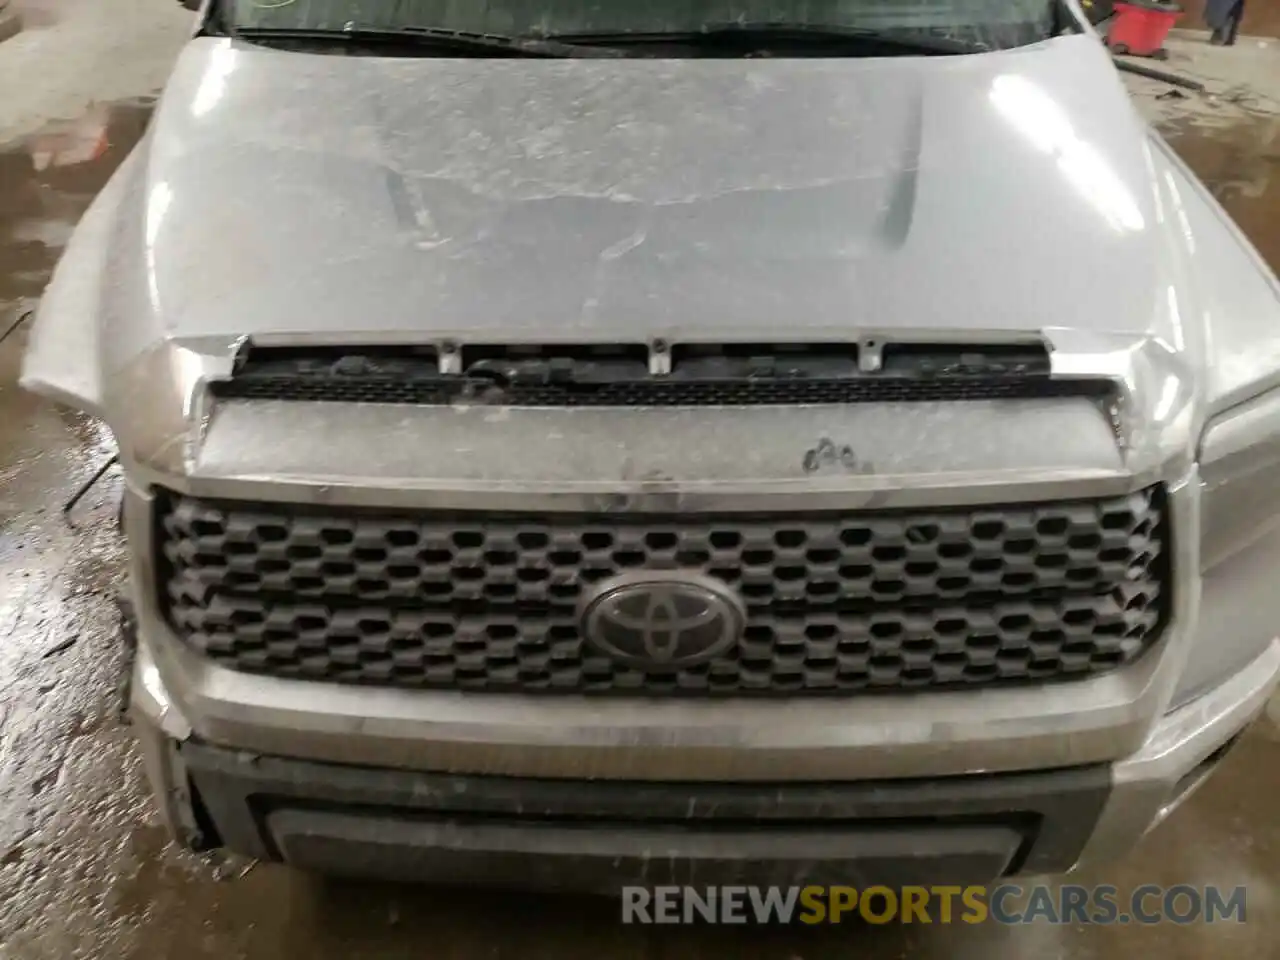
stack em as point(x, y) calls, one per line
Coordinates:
point(484, 44)
point(783, 32)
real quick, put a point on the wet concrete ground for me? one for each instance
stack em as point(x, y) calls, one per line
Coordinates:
point(1261, 17)
point(73, 53)
point(84, 867)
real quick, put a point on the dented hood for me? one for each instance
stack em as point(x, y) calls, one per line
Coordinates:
point(298, 194)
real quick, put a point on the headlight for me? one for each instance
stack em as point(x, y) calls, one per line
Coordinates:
point(1239, 545)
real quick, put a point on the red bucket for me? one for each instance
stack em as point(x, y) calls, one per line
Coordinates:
point(1141, 28)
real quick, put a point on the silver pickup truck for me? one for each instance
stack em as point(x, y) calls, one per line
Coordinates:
point(568, 442)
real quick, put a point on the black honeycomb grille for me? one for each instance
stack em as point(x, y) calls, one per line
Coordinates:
point(836, 602)
point(656, 393)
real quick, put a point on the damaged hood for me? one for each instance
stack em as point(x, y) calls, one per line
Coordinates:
point(301, 194)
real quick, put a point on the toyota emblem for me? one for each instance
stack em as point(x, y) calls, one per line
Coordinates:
point(663, 620)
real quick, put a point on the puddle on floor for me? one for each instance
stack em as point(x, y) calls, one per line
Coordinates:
point(46, 182)
point(1241, 166)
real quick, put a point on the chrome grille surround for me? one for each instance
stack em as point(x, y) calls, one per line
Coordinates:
point(838, 602)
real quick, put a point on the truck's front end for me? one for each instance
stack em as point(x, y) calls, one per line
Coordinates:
point(569, 470)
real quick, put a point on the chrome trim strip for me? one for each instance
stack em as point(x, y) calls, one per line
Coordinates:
point(961, 491)
point(994, 336)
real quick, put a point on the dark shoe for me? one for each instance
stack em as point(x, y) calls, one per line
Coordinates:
point(1218, 38)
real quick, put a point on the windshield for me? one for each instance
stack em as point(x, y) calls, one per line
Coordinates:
point(984, 24)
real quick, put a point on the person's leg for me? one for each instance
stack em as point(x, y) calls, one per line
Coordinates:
point(1233, 24)
point(1218, 16)
point(1215, 17)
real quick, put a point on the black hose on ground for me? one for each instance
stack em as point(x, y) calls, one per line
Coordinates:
point(22, 318)
point(86, 487)
point(1151, 73)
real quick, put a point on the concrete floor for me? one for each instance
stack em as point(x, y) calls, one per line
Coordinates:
point(84, 867)
point(1261, 17)
point(72, 54)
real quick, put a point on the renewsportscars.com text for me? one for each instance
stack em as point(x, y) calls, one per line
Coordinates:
point(1003, 904)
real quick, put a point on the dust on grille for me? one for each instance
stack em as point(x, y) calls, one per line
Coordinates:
point(837, 603)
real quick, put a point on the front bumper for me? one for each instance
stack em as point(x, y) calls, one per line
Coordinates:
point(592, 835)
point(335, 776)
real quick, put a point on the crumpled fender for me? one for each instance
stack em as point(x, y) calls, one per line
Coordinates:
point(63, 359)
point(1224, 286)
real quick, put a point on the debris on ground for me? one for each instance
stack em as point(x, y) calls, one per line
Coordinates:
point(1227, 85)
point(62, 646)
point(228, 867)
